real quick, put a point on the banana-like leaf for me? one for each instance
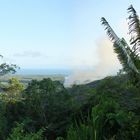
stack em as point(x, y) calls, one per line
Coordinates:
point(121, 47)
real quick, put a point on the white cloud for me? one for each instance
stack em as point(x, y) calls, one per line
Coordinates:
point(28, 53)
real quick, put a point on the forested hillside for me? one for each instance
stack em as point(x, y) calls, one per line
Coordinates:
point(106, 109)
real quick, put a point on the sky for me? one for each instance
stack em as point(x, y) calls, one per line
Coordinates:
point(58, 34)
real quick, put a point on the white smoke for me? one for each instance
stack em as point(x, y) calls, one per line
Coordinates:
point(108, 65)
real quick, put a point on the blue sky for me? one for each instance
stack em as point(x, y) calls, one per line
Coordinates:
point(45, 34)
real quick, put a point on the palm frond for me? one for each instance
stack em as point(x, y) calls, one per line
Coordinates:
point(128, 57)
point(134, 29)
point(122, 48)
point(128, 66)
point(109, 30)
point(122, 57)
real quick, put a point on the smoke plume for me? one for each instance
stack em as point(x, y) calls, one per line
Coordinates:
point(108, 65)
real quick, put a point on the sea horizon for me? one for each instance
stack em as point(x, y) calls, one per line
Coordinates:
point(44, 72)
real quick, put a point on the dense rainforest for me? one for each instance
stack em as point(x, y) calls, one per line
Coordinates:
point(106, 109)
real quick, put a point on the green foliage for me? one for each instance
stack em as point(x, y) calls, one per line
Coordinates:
point(3, 121)
point(13, 89)
point(48, 104)
point(15, 86)
point(12, 107)
point(100, 110)
point(111, 119)
point(13, 110)
point(107, 121)
point(18, 133)
point(7, 68)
